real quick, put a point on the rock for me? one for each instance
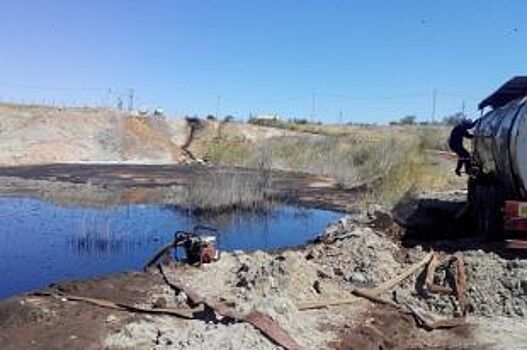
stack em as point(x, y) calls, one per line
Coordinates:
point(523, 285)
point(181, 298)
point(160, 303)
point(111, 318)
point(357, 278)
point(317, 287)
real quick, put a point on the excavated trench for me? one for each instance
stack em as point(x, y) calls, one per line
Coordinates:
point(444, 222)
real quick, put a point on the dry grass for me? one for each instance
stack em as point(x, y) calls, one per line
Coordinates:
point(230, 190)
point(391, 158)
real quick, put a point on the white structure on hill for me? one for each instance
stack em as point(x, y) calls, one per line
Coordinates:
point(267, 117)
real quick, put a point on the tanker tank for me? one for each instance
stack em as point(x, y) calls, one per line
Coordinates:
point(500, 147)
point(499, 154)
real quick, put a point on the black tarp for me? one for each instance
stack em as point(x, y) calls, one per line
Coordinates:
point(511, 90)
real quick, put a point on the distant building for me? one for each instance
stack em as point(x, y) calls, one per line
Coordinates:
point(266, 117)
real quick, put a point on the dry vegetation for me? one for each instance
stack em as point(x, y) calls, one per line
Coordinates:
point(392, 160)
point(230, 191)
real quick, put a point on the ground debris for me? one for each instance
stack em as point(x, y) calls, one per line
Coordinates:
point(355, 255)
point(262, 322)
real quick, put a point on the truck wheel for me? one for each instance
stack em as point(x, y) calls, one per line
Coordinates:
point(486, 200)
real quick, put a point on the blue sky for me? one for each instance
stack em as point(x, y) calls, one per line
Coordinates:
point(368, 61)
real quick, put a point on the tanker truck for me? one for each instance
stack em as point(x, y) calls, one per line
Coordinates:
point(497, 185)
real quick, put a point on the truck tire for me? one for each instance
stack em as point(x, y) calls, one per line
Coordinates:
point(486, 202)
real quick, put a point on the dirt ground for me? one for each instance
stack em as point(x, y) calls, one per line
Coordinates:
point(359, 251)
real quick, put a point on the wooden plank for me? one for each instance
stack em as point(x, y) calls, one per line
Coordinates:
point(372, 297)
point(388, 285)
point(271, 329)
point(382, 288)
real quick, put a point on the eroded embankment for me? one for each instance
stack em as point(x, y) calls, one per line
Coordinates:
point(43, 135)
point(356, 252)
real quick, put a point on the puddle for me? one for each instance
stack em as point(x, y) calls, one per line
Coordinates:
point(41, 243)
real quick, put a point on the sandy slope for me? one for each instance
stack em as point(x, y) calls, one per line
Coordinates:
point(37, 135)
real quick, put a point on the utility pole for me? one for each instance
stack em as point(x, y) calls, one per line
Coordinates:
point(131, 100)
point(463, 108)
point(109, 98)
point(218, 101)
point(313, 107)
point(434, 97)
point(340, 117)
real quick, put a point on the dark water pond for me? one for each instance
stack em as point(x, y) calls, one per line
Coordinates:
point(41, 242)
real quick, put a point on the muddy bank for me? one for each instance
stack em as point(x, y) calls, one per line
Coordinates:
point(117, 184)
point(356, 252)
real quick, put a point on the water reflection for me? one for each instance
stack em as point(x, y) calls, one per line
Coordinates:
point(41, 243)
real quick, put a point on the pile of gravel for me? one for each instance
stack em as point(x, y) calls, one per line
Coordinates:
point(496, 286)
point(366, 257)
point(359, 254)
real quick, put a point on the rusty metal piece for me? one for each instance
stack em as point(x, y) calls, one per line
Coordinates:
point(460, 279)
point(383, 287)
point(266, 325)
point(430, 275)
point(429, 322)
point(104, 303)
point(271, 329)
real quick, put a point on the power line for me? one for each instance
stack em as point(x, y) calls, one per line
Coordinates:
point(218, 101)
point(270, 100)
point(313, 107)
point(373, 97)
point(54, 88)
point(458, 95)
point(434, 97)
point(131, 99)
